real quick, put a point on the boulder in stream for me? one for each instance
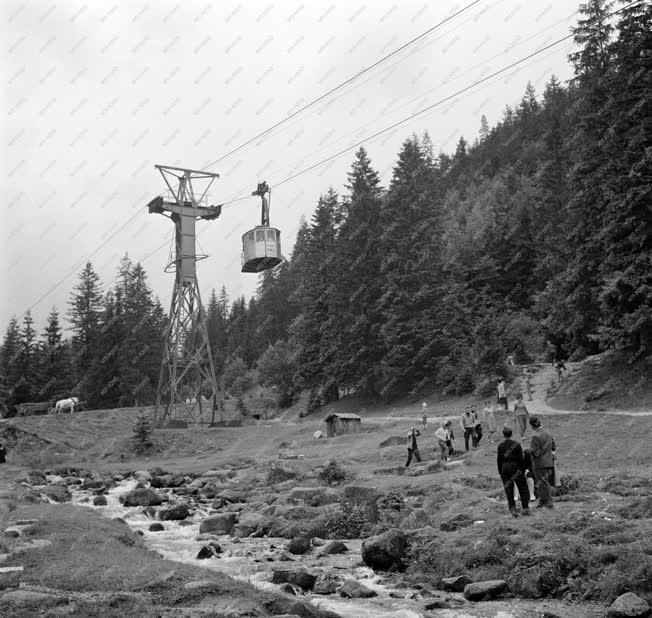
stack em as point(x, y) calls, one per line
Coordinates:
point(353, 589)
point(175, 513)
point(385, 551)
point(156, 527)
point(247, 524)
point(99, 501)
point(219, 524)
point(326, 583)
point(298, 577)
point(142, 497)
point(455, 584)
point(333, 547)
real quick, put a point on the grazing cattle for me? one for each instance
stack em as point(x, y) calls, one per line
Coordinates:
point(64, 404)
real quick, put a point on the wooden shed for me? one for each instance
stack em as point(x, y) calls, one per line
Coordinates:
point(342, 422)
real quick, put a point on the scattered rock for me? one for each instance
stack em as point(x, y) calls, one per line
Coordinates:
point(143, 476)
point(536, 581)
point(219, 524)
point(71, 480)
point(185, 522)
point(230, 495)
point(207, 551)
point(482, 591)
point(353, 589)
point(298, 577)
point(326, 583)
point(90, 483)
point(247, 524)
point(629, 605)
point(386, 550)
point(300, 544)
point(291, 589)
point(334, 547)
point(156, 527)
point(142, 497)
point(10, 577)
point(457, 522)
point(318, 434)
point(99, 501)
point(177, 512)
point(455, 584)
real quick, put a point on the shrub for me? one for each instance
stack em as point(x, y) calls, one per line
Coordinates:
point(347, 522)
point(333, 473)
point(142, 434)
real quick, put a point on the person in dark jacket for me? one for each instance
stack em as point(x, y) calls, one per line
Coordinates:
point(3, 453)
point(542, 449)
point(413, 448)
point(511, 467)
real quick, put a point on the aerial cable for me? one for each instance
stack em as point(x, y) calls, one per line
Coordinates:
point(342, 84)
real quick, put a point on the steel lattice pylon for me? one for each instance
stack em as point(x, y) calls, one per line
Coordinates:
point(187, 371)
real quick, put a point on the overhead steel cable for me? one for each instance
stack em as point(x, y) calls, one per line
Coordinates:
point(342, 84)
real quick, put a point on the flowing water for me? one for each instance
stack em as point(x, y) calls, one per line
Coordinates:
point(248, 559)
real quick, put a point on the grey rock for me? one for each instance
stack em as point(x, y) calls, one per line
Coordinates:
point(99, 501)
point(482, 591)
point(143, 497)
point(10, 577)
point(353, 589)
point(300, 544)
point(629, 605)
point(298, 577)
point(219, 524)
point(386, 550)
point(455, 584)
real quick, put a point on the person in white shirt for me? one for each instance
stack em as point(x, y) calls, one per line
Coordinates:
point(424, 413)
point(489, 420)
point(502, 394)
point(443, 436)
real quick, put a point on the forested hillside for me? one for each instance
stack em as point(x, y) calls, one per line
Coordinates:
point(531, 237)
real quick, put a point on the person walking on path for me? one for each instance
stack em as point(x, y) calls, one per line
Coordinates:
point(443, 439)
point(502, 394)
point(489, 420)
point(467, 422)
point(521, 414)
point(3, 453)
point(527, 378)
point(542, 452)
point(413, 448)
point(424, 413)
point(511, 467)
point(477, 436)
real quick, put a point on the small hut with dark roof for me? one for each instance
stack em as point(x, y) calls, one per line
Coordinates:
point(342, 422)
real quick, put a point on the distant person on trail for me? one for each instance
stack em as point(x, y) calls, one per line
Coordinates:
point(3, 453)
point(467, 422)
point(443, 438)
point(477, 436)
point(424, 413)
point(413, 448)
point(560, 368)
point(521, 414)
point(490, 420)
point(510, 360)
point(527, 376)
point(511, 467)
point(451, 440)
point(502, 394)
point(542, 452)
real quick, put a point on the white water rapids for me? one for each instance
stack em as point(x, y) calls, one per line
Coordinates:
point(239, 560)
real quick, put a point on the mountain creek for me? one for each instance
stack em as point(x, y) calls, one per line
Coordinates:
point(255, 560)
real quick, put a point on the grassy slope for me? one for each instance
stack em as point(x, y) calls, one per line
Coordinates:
point(606, 381)
point(89, 553)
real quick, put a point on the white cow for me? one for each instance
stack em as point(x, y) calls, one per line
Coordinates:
point(63, 404)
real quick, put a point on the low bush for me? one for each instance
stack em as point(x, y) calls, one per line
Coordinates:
point(333, 474)
point(347, 522)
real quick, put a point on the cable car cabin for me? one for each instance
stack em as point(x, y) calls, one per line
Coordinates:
point(261, 249)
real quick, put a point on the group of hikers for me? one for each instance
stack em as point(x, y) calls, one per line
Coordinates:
point(526, 473)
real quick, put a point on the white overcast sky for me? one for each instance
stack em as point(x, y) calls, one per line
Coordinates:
point(95, 93)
